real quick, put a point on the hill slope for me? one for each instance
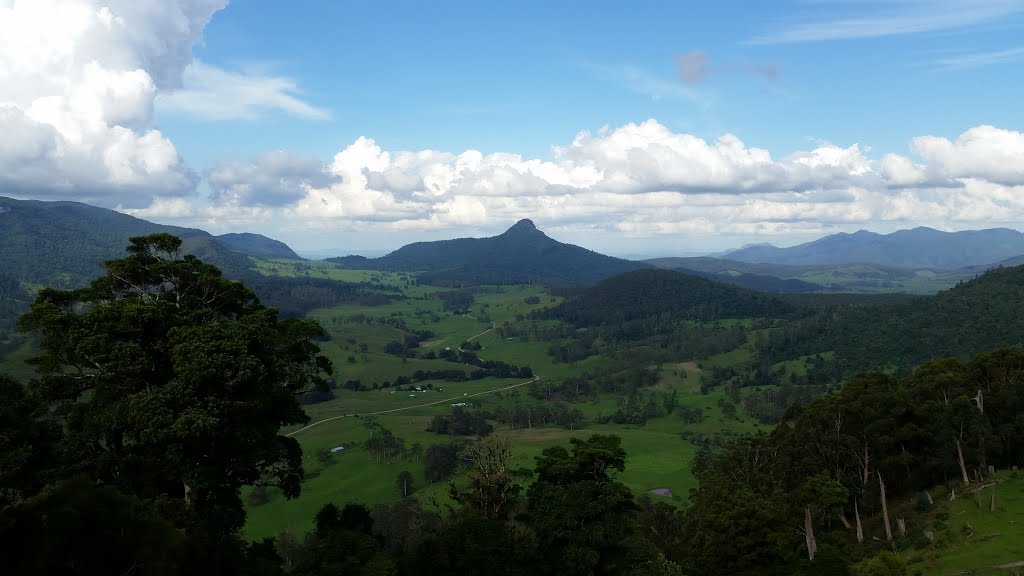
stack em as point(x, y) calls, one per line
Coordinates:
point(667, 295)
point(520, 255)
point(917, 248)
point(64, 244)
point(982, 314)
point(258, 245)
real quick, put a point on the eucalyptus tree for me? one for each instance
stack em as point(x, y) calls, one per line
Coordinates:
point(172, 382)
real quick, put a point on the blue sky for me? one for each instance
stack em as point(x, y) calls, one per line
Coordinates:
point(358, 125)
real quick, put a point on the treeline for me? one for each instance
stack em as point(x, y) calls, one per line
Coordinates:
point(295, 296)
point(461, 422)
point(668, 342)
point(621, 379)
point(529, 415)
point(817, 370)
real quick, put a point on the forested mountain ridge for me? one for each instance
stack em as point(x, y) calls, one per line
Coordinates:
point(522, 254)
point(64, 244)
point(257, 245)
point(981, 314)
point(917, 248)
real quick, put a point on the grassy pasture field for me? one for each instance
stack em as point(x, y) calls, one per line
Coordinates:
point(658, 457)
point(973, 539)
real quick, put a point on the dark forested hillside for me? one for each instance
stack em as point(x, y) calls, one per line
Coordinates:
point(523, 254)
point(978, 315)
point(666, 294)
point(64, 244)
point(257, 245)
point(13, 301)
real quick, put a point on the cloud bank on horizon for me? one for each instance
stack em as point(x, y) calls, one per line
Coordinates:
point(80, 80)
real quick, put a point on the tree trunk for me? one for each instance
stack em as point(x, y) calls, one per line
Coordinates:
point(901, 525)
point(812, 546)
point(846, 523)
point(860, 529)
point(885, 509)
point(929, 496)
point(960, 456)
point(992, 502)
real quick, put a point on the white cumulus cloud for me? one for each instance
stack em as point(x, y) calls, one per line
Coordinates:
point(645, 180)
point(78, 80)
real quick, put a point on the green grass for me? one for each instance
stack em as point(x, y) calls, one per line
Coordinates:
point(736, 357)
point(976, 541)
point(799, 365)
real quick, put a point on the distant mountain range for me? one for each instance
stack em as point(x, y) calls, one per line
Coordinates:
point(520, 255)
point(63, 244)
point(917, 248)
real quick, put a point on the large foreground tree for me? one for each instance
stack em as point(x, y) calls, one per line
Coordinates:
point(172, 382)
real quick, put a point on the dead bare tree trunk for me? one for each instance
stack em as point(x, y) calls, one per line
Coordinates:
point(842, 518)
point(901, 525)
point(928, 495)
point(885, 509)
point(812, 546)
point(860, 529)
point(960, 456)
point(992, 501)
point(979, 400)
point(866, 461)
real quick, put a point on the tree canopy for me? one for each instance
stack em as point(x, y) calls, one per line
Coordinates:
point(172, 382)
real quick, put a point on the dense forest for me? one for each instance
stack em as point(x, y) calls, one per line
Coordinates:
point(981, 314)
point(655, 298)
